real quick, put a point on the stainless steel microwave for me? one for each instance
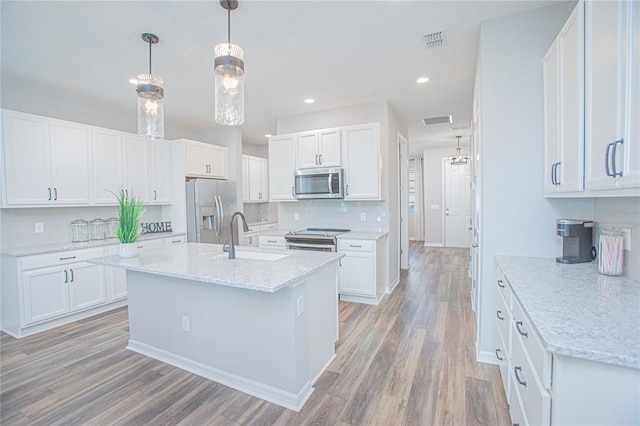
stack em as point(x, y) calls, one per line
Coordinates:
point(318, 183)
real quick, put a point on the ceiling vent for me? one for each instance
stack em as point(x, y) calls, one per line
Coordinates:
point(434, 39)
point(437, 120)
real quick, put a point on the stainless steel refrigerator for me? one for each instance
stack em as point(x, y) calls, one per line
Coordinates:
point(210, 204)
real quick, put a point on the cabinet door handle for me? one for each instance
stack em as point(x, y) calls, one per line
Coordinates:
point(320, 159)
point(613, 159)
point(55, 193)
point(522, 382)
point(500, 284)
point(498, 356)
point(518, 326)
point(155, 195)
point(49, 193)
point(293, 192)
point(316, 159)
point(606, 159)
point(71, 274)
point(558, 164)
point(346, 188)
point(498, 313)
point(553, 174)
point(66, 277)
point(67, 258)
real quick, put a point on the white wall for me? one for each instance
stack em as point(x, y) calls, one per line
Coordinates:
point(517, 219)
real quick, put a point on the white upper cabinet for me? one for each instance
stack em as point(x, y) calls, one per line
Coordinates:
point(205, 160)
point(361, 153)
point(160, 172)
point(564, 107)
point(320, 148)
point(245, 178)
point(282, 166)
point(108, 171)
point(47, 162)
point(612, 94)
point(136, 166)
point(258, 179)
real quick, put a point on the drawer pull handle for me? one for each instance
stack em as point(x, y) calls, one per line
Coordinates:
point(498, 355)
point(67, 258)
point(271, 241)
point(500, 284)
point(353, 245)
point(522, 382)
point(175, 241)
point(498, 313)
point(518, 325)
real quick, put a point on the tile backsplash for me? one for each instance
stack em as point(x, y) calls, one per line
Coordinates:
point(18, 225)
point(339, 214)
point(618, 214)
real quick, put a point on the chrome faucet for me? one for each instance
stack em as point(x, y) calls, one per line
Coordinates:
point(232, 246)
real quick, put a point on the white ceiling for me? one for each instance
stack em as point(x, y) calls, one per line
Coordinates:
point(339, 53)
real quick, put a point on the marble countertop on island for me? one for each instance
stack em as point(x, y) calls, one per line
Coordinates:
point(576, 311)
point(68, 245)
point(357, 235)
point(209, 264)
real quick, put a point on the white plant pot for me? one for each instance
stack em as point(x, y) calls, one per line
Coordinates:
point(128, 250)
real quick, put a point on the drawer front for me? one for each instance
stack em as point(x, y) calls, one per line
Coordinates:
point(503, 322)
point(272, 241)
point(540, 358)
point(60, 258)
point(150, 244)
point(269, 227)
point(356, 245)
point(515, 408)
point(504, 362)
point(504, 289)
point(174, 240)
point(536, 401)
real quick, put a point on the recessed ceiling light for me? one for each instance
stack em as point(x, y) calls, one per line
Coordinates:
point(309, 101)
point(422, 80)
point(268, 135)
point(133, 81)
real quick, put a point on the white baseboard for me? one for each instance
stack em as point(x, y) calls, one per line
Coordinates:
point(393, 286)
point(486, 357)
point(434, 244)
point(358, 299)
point(259, 390)
point(323, 369)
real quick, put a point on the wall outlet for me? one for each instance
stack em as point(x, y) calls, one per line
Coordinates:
point(296, 216)
point(39, 228)
point(300, 305)
point(627, 238)
point(363, 216)
point(185, 324)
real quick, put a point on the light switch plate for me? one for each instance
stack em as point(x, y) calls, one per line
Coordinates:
point(363, 216)
point(39, 228)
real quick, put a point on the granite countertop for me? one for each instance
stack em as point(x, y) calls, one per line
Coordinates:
point(576, 311)
point(208, 263)
point(68, 245)
point(356, 235)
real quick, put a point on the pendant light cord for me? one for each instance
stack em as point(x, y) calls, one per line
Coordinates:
point(229, 25)
point(150, 56)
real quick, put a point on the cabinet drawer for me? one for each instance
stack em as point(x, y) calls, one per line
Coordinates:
point(504, 289)
point(356, 245)
point(60, 258)
point(536, 401)
point(515, 408)
point(269, 227)
point(272, 241)
point(504, 362)
point(503, 323)
point(173, 240)
point(150, 244)
point(540, 358)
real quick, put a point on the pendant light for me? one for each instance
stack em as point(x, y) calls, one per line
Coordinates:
point(459, 158)
point(150, 99)
point(229, 76)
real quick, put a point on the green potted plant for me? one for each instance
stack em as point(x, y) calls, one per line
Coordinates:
point(130, 209)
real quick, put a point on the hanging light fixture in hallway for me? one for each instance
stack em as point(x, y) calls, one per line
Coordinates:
point(229, 76)
point(150, 99)
point(459, 158)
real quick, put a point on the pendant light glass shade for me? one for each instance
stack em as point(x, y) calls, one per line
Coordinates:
point(150, 106)
point(229, 84)
point(459, 158)
point(150, 91)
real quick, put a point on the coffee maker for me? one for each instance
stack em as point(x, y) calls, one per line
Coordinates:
point(577, 237)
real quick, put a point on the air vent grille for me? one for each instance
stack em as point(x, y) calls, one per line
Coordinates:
point(437, 120)
point(434, 39)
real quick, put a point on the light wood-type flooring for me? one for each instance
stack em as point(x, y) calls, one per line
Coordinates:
point(409, 360)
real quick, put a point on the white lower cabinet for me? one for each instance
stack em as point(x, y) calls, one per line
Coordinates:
point(45, 294)
point(272, 241)
point(360, 271)
point(545, 388)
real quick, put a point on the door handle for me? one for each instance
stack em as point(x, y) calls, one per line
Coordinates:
point(55, 190)
point(155, 195)
point(71, 274)
point(474, 245)
point(498, 315)
point(607, 169)
point(320, 159)
point(66, 277)
point(553, 174)
point(518, 327)
point(469, 228)
point(49, 193)
point(522, 382)
point(498, 356)
point(613, 159)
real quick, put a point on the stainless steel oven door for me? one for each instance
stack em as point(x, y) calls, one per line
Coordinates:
point(311, 247)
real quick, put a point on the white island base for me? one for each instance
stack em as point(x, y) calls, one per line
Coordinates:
point(272, 345)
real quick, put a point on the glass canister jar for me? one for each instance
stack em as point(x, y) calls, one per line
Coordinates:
point(611, 252)
point(98, 228)
point(112, 226)
point(79, 230)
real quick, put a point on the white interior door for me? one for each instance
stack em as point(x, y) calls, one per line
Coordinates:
point(457, 204)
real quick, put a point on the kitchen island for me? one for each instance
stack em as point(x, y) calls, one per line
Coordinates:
point(264, 323)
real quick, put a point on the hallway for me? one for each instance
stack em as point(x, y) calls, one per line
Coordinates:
point(409, 360)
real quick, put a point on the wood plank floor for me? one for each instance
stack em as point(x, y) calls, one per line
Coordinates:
point(409, 360)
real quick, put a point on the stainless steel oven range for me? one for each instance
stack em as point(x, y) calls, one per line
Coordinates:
point(316, 239)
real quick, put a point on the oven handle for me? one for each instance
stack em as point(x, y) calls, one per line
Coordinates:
point(294, 246)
